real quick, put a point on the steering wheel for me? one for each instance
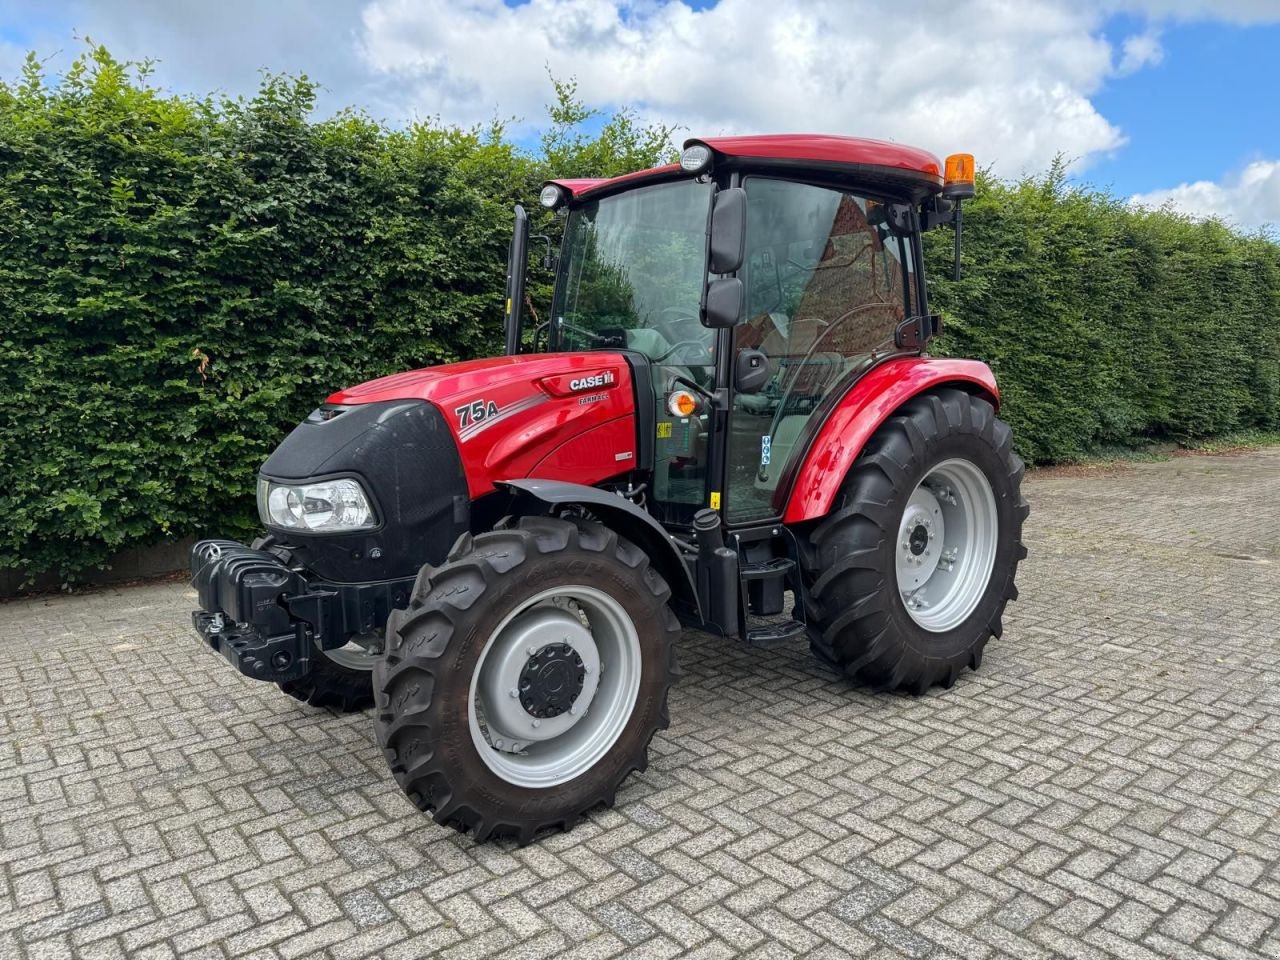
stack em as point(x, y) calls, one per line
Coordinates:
point(670, 319)
point(699, 345)
point(590, 335)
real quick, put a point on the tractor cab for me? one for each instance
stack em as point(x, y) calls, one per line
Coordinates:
point(751, 284)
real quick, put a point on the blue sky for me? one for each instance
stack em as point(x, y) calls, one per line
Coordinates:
point(1207, 108)
point(1169, 100)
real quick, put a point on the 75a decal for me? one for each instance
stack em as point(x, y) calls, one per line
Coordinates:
point(478, 411)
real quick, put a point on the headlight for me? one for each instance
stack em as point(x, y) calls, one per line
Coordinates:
point(325, 506)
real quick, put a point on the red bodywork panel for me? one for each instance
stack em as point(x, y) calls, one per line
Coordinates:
point(871, 401)
point(579, 188)
point(800, 147)
point(556, 416)
point(822, 148)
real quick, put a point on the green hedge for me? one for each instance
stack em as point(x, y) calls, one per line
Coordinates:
point(182, 280)
point(1107, 326)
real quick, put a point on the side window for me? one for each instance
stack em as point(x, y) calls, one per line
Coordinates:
point(901, 247)
point(827, 284)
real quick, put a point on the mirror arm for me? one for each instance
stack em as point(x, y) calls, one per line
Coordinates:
point(939, 213)
point(549, 259)
point(696, 388)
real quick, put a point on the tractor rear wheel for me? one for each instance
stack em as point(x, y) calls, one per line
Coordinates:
point(526, 678)
point(909, 575)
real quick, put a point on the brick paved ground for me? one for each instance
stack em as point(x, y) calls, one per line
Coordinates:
point(1107, 785)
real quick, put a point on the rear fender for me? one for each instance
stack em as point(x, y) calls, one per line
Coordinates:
point(868, 404)
point(626, 519)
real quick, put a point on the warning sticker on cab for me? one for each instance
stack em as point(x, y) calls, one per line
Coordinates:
point(664, 430)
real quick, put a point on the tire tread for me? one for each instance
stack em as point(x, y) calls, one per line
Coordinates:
point(849, 625)
point(403, 695)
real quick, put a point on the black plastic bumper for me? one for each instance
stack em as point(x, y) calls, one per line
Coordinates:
point(268, 620)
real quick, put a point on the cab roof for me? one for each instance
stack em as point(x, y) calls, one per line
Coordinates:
point(893, 165)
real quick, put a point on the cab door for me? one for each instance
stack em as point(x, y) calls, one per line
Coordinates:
point(826, 284)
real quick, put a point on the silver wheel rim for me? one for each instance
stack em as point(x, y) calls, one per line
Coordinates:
point(542, 752)
point(946, 545)
point(358, 653)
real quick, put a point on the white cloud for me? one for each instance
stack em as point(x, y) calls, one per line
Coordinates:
point(1012, 81)
point(1250, 198)
point(1138, 51)
point(207, 47)
point(1009, 80)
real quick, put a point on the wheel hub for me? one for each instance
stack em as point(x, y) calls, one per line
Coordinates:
point(540, 677)
point(946, 545)
point(919, 536)
point(579, 650)
point(551, 681)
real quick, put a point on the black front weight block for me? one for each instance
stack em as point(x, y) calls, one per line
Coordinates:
point(268, 620)
point(277, 659)
point(242, 615)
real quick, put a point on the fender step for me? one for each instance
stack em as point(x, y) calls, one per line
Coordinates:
point(766, 569)
point(765, 581)
point(775, 634)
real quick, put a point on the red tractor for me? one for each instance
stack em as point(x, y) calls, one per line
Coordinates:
point(728, 421)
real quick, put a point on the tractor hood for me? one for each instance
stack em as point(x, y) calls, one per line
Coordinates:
point(555, 416)
point(424, 444)
point(450, 381)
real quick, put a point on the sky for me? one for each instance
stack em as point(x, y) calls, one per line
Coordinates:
point(1161, 101)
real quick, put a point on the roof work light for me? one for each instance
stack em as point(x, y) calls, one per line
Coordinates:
point(696, 158)
point(552, 196)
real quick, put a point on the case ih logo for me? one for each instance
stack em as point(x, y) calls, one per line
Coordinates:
point(593, 382)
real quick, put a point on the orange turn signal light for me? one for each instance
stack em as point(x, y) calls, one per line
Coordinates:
point(959, 177)
point(682, 403)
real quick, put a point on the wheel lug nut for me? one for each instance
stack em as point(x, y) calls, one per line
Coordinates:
point(537, 723)
point(514, 693)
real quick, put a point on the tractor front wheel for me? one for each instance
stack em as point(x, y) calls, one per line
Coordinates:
point(339, 678)
point(909, 575)
point(526, 678)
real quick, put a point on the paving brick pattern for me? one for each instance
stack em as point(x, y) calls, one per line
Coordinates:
point(1107, 785)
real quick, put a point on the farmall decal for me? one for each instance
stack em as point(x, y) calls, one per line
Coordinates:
point(594, 382)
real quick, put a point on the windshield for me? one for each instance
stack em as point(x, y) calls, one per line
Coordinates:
point(633, 273)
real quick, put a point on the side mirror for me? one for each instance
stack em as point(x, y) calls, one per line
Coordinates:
point(723, 305)
point(750, 371)
point(726, 246)
point(728, 231)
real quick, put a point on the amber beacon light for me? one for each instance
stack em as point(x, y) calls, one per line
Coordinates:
point(958, 178)
point(958, 183)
